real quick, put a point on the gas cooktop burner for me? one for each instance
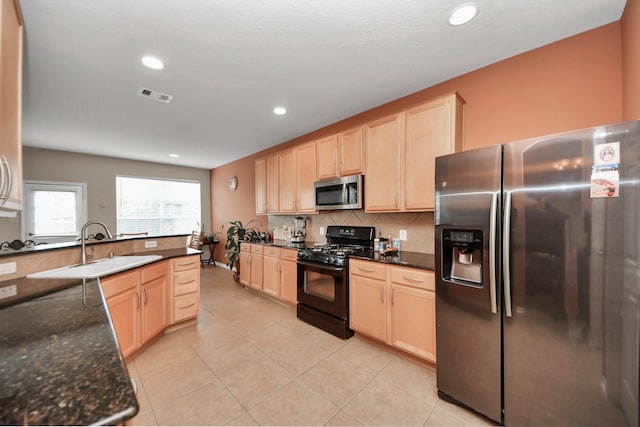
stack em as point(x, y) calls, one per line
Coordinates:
point(342, 241)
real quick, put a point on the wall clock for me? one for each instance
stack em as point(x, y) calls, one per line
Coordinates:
point(233, 183)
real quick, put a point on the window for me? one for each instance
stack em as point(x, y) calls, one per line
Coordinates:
point(157, 206)
point(53, 211)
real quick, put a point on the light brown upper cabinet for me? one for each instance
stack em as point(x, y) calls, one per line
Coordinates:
point(261, 186)
point(400, 152)
point(340, 155)
point(10, 106)
point(286, 178)
point(305, 177)
point(273, 203)
point(383, 154)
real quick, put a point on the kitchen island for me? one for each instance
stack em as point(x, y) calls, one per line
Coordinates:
point(60, 362)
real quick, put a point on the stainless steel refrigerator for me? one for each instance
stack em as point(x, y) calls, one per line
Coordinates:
point(538, 278)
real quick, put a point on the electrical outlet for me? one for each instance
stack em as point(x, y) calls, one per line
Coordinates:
point(403, 234)
point(151, 244)
point(7, 268)
point(322, 231)
point(8, 291)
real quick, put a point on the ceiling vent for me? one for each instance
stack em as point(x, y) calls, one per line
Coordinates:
point(155, 95)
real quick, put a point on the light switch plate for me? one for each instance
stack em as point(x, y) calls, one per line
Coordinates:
point(322, 231)
point(7, 268)
point(403, 234)
point(151, 244)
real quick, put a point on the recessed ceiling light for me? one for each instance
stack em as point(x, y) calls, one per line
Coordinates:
point(279, 111)
point(152, 62)
point(174, 155)
point(462, 14)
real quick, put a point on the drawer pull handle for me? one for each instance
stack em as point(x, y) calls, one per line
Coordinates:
point(411, 279)
point(187, 306)
point(184, 265)
point(365, 270)
point(185, 283)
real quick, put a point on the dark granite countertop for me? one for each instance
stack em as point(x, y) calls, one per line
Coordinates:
point(403, 258)
point(6, 252)
point(59, 360)
point(284, 244)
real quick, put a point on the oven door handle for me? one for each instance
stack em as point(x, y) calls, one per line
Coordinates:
point(318, 265)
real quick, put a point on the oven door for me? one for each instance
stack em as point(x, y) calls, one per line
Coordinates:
point(324, 288)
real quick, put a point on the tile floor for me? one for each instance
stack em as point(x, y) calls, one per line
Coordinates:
point(250, 361)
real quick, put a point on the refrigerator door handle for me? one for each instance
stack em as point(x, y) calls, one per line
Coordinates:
point(492, 252)
point(506, 239)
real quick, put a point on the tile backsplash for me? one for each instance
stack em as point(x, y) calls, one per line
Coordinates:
point(419, 226)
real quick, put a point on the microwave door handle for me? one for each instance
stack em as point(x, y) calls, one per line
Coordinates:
point(345, 194)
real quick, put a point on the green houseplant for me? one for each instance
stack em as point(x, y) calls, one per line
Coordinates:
point(236, 233)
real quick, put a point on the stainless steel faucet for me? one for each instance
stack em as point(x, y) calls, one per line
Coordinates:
point(84, 237)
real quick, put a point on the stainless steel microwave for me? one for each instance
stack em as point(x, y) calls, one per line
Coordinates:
point(339, 193)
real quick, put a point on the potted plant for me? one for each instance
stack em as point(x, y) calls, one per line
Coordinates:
point(236, 233)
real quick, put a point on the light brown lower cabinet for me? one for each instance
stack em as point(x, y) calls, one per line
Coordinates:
point(395, 305)
point(185, 292)
point(137, 303)
point(144, 301)
point(270, 269)
point(289, 276)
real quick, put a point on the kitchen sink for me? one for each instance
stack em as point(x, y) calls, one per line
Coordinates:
point(97, 268)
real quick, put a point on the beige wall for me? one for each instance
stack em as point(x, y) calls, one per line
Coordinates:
point(569, 84)
point(99, 173)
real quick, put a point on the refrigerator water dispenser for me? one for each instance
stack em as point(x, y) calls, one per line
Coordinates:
point(462, 256)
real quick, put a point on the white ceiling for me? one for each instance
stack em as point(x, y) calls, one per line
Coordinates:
point(229, 63)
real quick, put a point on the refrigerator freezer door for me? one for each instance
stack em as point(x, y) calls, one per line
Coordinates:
point(467, 314)
point(571, 345)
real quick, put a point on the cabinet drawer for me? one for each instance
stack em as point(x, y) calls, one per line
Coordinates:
point(120, 283)
point(289, 254)
point(413, 277)
point(154, 271)
point(374, 270)
point(185, 306)
point(257, 249)
point(272, 251)
point(185, 282)
point(186, 263)
point(245, 247)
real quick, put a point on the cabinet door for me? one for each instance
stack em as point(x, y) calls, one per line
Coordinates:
point(245, 268)
point(286, 177)
point(367, 305)
point(154, 307)
point(271, 276)
point(255, 281)
point(125, 317)
point(327, 157)
point(261, 186)
point(413, 321)
point(350, 152)
point(305, 177)
point(382, 158)
point(288, 281)
point(430, 131)
point(272, 184)
point(10, 106)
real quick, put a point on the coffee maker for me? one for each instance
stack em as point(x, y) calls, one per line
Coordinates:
point(299, 230)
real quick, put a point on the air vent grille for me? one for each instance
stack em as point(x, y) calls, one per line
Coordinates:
point(155, 95)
